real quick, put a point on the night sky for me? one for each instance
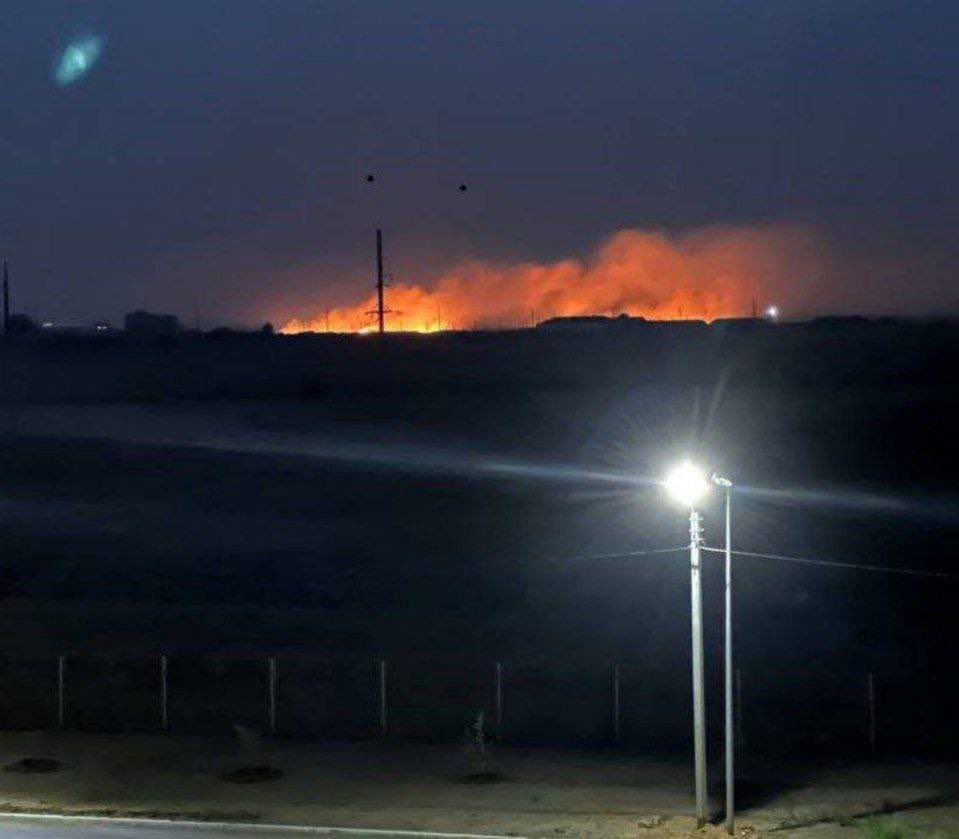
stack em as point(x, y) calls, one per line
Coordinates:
point(212, 161)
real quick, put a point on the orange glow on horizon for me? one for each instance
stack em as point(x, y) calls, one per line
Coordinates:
point(707, 274)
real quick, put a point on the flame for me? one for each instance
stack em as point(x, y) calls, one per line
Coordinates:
point(704, 274)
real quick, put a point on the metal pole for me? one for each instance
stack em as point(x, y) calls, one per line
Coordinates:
point(739, 711)
point(383, 697)
point(61, 688)
point(499, 700)
point(271, 709)
point(699, 706)
point(615, 703)
point(730, 721)
point(871, 691)
point(164, 707)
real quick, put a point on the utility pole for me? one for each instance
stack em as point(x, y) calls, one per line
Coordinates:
point(6, 300)
point(699, 704)
point(380, 311)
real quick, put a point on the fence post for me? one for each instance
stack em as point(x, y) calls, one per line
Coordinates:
point(61, 688)
point(615, 703)
point(498, 670)
point(871, 697)
point(383, 709)
point(271, 710)
point(164, 709)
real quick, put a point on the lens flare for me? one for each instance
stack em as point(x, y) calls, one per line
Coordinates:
point(77, 59)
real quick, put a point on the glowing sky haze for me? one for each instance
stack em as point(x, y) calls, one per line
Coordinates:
point(209, 157)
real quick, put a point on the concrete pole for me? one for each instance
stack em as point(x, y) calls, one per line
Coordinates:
point(730, 720)
point(699, 700)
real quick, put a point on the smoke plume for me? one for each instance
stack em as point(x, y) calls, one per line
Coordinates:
point(705, 274)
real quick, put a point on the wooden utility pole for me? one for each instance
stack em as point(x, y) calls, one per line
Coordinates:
point(380, 310)
point(6, 299)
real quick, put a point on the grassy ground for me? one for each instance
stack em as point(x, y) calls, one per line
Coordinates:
point(532, 792)
point(928, 823)
point(201, 528)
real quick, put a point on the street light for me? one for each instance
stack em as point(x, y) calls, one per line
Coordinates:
point(689, 485)
point(727, 486)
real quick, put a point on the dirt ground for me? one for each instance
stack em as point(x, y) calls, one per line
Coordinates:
point(537, 792)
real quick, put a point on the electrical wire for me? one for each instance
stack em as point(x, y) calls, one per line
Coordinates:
point(624, 555)
point(801, 560)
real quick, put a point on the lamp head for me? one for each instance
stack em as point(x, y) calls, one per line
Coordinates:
point(687, 484)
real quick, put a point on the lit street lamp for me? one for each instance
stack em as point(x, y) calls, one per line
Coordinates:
point(689, 485)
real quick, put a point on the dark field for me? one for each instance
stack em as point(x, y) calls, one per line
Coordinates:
point(335, 500)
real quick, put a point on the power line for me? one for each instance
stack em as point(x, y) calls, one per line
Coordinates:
point(624, 555)
point(801, 560)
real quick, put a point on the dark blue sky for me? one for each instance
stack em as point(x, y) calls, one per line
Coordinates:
point(214, 158)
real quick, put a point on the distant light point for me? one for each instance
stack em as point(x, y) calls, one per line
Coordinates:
point(772, 313)
point(77, 59)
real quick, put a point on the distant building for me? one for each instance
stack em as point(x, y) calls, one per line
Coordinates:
point(587, 323)
point(62, 328)
point(738, 323)
point(20, 325)
point(149, 325)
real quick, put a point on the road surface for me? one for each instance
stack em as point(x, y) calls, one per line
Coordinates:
point(55, 827)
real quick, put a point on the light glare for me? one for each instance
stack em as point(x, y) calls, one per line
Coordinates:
point(687, 484)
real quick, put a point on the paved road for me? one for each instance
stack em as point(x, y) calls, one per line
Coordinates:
point(54, 829)
point(41, 827)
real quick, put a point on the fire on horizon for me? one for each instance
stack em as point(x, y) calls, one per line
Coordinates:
point(705, 274)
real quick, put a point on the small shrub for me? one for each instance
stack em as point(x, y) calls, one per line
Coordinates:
point(252, 774)
point(33, 765)
point(886, 828)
